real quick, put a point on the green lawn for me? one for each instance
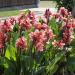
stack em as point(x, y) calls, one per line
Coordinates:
point(10, 11)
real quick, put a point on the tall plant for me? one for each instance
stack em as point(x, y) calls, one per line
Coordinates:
point(31, 45)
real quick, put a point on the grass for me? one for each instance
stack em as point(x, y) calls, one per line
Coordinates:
point(9, 11)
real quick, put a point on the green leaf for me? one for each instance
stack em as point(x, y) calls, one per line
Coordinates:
point(10, 52)
point(26, 60)
point(52, 67)
point(40, 70)
point(11, 69)
point(7, 54)
point(71, 63)
point(15, 36)
point(27, 64)
point(54, 26)
point(16, 28)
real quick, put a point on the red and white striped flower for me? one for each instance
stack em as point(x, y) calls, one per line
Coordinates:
point(21, 43)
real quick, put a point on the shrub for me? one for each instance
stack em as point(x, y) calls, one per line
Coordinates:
point(68, 4)
point(32, 45)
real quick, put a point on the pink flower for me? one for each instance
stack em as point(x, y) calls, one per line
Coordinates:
point(50, 34)
point(37, 35)
point(33, 22)
point(61, 44)
point(73, 23)
point(1, 46)
point(11, 20)
point(2, 39)
point(40, 26)
point(63, 12)
point(68, 33)
point(47, 13)
point(39, 39)
point(21, 16)
point(6, 26)
point(44, 26)
point(21, 43)
point(31, 15)
point(65, 19)
point(25, 23)
point(56, 15)
point(39, 46)
point(67, 36)
point(41, 36)
point(55, 43)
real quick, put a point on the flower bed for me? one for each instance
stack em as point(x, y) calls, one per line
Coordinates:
point(43, 45)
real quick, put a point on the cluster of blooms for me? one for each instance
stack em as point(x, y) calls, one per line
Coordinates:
point(68, 33)
point(67, 28)
point(21, 43)
point(62, 15)
point(40, 37)
point(22, 20)
point(42, 32)
point(59, 44)
point(5, 27)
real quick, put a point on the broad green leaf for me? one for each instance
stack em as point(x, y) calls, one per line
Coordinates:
point(7, 54)
point(52, 67)
point(10, 52)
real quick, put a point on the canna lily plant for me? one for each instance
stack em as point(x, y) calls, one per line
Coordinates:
point(43, 45)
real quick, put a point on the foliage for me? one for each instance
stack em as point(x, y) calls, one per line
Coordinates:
point(68, 4)
point(38, 46)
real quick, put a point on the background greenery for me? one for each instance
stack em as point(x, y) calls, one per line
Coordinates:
point(65, 3)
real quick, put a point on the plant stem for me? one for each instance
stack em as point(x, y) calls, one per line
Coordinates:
point(63, 71)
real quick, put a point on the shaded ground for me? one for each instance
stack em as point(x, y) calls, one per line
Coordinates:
point(4, 12)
